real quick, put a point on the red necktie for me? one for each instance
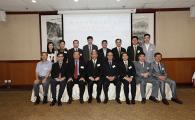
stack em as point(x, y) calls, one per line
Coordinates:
point(76, 71)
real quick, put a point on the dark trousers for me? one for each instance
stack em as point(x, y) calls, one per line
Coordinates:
point(62, 84)
point(126, 88)
point(90, 87)
point(106, 85)
point(70, 85)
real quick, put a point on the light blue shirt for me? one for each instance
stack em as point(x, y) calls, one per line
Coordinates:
point(43, 67)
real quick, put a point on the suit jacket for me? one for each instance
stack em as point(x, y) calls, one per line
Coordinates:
point(150, 53)
point(56, 70)
point(116, 53)
point(140, 69)
point(110, 70)
point(156, 71)
point(127, 72)
point(71, 67)
point(130, 52)
point(70, 54)
point(65, 52)
point(94, 71)
point(101, 56)
point(86, 52)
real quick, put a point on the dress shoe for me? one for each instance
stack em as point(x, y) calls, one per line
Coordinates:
point(98, 100)
point(133, 102)
point(176, 100)
point(90, 100)
point(143, 100)
point(53, 103)
point(81, 101)
point(106, 101)
point(165, 101)
point(128, 101)
point(59, 103)
point(37, 101)
point(118, 101)
point(69, 101)
point(153, 99)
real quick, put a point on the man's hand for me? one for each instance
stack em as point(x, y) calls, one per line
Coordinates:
point(97, 78)
point(70, 79)
point(162, 77)
point(82, 79)
point(44, 80)
point(129, 79)
point(91, 78)
point(37, 81)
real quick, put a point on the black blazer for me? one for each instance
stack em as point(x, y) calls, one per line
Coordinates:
point(82, 69)
point(127, 72)
point(101, 56)
point(56, 70)
point(70, 54)
point(116, 54)
point(94, 72)
point(110, 71)
point(86, 52)
point(65, 52)
point(130, 52)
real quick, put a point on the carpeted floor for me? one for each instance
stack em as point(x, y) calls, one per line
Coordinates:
point(16, 105)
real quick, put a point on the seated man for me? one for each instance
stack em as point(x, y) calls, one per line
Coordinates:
point(58, 73)
point(94, 74)
point(144, 76)
point(127, 76)
point(159, 73)
point(76, 75)
point(43, 69)
point(110, 74)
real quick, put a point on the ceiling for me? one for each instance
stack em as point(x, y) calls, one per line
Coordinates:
point(53, 5)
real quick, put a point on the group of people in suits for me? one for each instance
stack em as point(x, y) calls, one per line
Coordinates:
point(139, 64)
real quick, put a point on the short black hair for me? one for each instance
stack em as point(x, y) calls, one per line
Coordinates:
point(141, 53)
point(90, 37)
point(44, 53)
point(61, 41)
point(157, 53)
point(75, 41)
point(134, 37)
point(104, 41)
point(147, 35)
point(60, 53)
point(118, 39)
point(76, 52)
point(124, 53)
point(109, 52)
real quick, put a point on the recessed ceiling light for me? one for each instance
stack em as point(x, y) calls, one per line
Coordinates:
point(76, 0)
point(118, 0)
point(34, 1)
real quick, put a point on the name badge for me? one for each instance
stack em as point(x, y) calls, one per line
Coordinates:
point(113, 66)
point(98, 65)
point(45, 68)
point(80, 54)
point(148, 68)
point(82, 67)
point(163, 68)
point(65, 52)
point(138, 51)
point(130, 67)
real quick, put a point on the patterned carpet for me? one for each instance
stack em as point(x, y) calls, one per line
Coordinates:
point(16, 105)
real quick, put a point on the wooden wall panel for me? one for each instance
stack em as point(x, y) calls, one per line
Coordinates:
point(23, 72)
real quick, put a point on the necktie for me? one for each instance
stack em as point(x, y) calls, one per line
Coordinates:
point(126, 65)
point(94, 63)
point(90, 50)
point(110, 65)
point(60, 64)
point(119, 52)
point(135, 52)
point(159, 67)
point(76, 71)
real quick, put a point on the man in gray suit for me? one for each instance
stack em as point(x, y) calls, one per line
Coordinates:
point(87, 49)
point(159, 73)
point(144, 76)
point(148, 49)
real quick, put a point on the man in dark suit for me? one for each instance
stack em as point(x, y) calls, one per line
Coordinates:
point(76, 75)
point(127, 76)
point(110, 74)
point(87, 49)
point(59, 75)
point(118, 50)
point(102, 53)
point(72, 50)
point(94, 74)
point(63, 50)
point(134, 49)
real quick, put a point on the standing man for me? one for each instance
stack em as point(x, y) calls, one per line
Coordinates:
point(144, 76)
point(127, 76)
point(63, 49)
point(74, 49)
point(94, 75)
point(76, 75)
point(102, 53)
point(159, 73)
point(59, 76)
point(111, 73)
point(118, 50)
point(134, 49)
point(43, 70)
point(148, 49)
point(87, 49)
